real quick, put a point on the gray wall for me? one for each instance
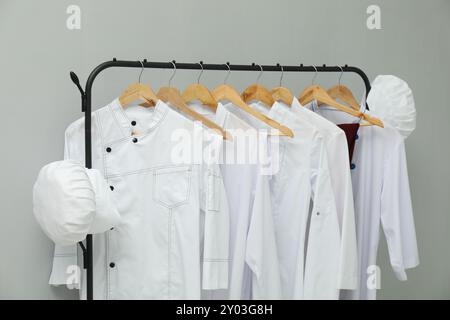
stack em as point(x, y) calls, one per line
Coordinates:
point(38, 100)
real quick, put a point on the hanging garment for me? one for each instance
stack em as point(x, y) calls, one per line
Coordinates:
point(392, 100)
point(308, 237)
point(339, 168)
point(382, 198)
point(253, 266)
point(173, 237)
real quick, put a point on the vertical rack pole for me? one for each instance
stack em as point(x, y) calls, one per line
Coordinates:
point(88, 162)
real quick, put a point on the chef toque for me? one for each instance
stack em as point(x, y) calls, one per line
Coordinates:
point(392, 101)
point(71, 201)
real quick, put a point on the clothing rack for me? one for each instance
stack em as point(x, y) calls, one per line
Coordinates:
point(86, 107)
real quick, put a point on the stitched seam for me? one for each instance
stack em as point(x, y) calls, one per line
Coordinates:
point(128, 120)
point(180, 203)
point(169, 246)
point(111, 110)
point(102, 142)
point(148, 131)
point(100, 133)
point(108, 275)
point(118, 175)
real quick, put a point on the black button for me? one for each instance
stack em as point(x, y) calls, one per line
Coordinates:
point(135, 140)
point(352, 166)
point(112, 228)
point(356, 137)
point(318, 213)
point(108, 149)
point(112, 264)
point(112, 188)
point(133, 123)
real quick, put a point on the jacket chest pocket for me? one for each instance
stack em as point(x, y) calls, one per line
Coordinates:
point(172, 186)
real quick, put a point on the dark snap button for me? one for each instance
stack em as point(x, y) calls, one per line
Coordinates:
point(112, 264)
point(133, 123)
point(356, 137)
point(108, 149)
point(318, 213)
point(112, 228)
point(112, 188)
point(135, 140)
point(352, 166)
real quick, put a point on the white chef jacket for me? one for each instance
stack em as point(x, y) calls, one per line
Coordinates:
point(253, 268)
point(173, 239)
point(339, 167)
point(302, 177)
point(382, 196)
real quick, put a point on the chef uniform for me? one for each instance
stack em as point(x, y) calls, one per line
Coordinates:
point(172, 240)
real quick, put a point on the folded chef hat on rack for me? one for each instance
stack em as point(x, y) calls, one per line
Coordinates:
point(392, 100)
point(70, 201)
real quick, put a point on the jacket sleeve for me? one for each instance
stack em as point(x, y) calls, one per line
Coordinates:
point(66, 256)
point(106, 215)
point(396, 212)
point(261, 248)
point(216, 228)
point(324, 241)
point(343, 193)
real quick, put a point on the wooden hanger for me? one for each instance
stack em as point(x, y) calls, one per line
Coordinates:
point(197, 91)
point(317, 93)
point(258, 92)
point(343, 93)
point(281, 93)
point(138, 91)
point(172, 96)
point(320, 95)
point(226, 92)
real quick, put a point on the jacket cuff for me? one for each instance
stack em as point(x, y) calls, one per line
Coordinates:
point(61, 273)
point(400, 273)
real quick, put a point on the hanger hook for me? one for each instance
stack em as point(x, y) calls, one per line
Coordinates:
point(228, 73)
point(174, 71)
point(282, 74)
point(201, 72)
point(260, 73)
point(315, 76)
point(340, 76)
point(142, 70)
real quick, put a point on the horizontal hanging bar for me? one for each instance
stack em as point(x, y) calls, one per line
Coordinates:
point(224, 67)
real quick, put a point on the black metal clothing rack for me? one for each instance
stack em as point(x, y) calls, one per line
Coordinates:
point(86, 107)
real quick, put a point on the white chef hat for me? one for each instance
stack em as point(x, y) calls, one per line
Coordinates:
point(392, 100)
point(70, 201)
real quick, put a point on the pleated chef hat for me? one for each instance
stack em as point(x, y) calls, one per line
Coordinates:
point(70, 201)
point(392, 100)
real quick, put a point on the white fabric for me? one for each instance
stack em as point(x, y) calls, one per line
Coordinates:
point(309, 263)
point(339, 167)
point(70, 201)
point(254, 271)
point(392, 100)
point(173, 239)
point(382, 197)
